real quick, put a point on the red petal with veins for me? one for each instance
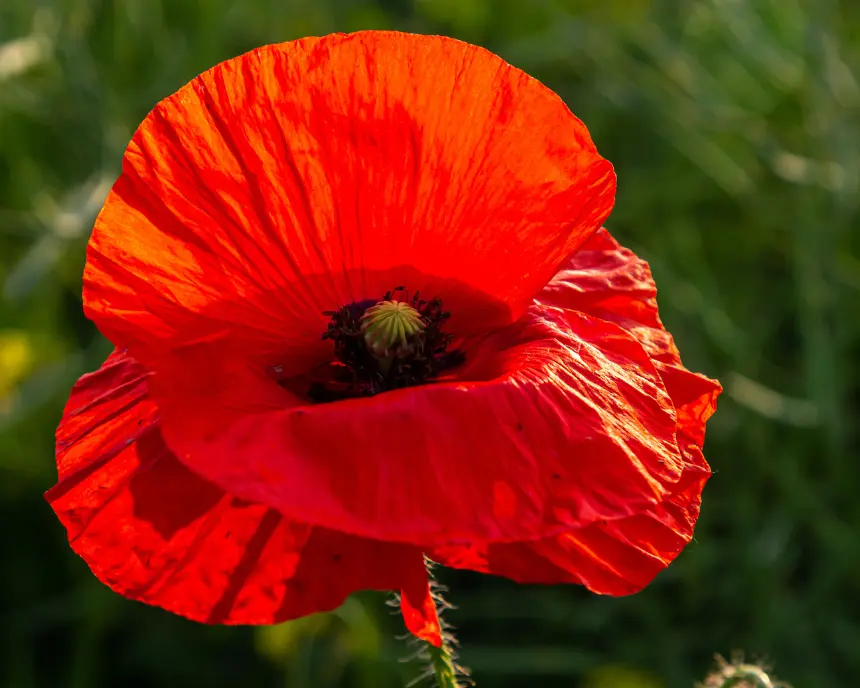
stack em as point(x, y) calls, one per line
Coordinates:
point(553, 423)
point(155, 532)
point(615, 556)
point(301, 176)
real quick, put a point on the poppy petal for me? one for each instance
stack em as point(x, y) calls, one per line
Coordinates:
point(303, 176)
point(154, 531)
point(555, 422)
point(608, 281)
point(620, 556)
point(617, 557)
point(419, 612)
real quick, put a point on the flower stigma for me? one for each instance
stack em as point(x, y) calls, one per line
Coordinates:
point(389, 328)
point(380, 346)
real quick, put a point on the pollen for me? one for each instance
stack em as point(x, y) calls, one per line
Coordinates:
point(390, 327)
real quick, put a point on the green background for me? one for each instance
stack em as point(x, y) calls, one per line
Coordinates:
point(734, 127)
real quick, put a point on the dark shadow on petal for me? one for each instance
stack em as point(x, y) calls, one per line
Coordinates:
point(172, 497)
point(245, 567)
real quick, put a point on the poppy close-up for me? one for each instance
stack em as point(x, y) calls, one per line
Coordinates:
point(366, 314)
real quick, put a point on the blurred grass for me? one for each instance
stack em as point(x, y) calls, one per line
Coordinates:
point(734, 126)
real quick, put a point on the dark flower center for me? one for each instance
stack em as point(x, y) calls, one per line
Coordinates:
point(390, 344)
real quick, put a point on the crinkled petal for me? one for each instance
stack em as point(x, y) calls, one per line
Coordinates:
point(609, 557)
point(303, 176)
point(608, 281)
point(154, 531)
point(616, 556)
point(555, 422)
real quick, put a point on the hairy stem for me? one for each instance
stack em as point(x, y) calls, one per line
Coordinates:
point(441, 662)
point(443, 666)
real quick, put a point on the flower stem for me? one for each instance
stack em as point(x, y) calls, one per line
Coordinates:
point(442, 661)
point(443, 666)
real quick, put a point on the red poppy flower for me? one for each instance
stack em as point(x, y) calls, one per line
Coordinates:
point(228, 464)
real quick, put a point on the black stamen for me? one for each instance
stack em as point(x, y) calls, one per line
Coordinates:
point(357, 372)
